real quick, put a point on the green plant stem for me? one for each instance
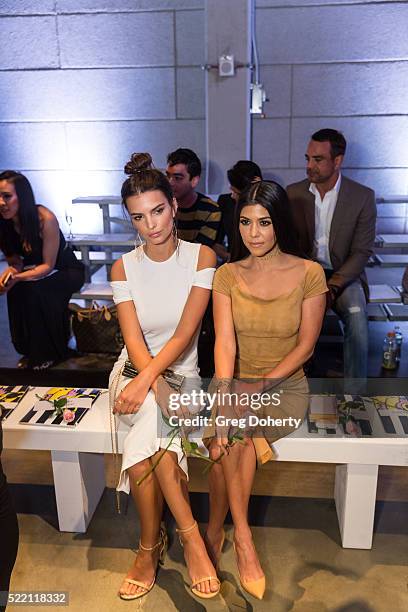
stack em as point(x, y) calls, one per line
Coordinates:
point(156, 463)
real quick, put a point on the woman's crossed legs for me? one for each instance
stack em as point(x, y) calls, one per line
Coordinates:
point(167, 481)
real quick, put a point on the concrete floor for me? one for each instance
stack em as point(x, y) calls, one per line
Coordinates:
point(306, 568)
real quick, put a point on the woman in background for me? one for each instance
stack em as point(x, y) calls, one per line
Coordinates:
point(41, 276)
point(161, 289)
point(268, 309)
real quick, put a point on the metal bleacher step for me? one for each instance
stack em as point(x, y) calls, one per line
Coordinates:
point(94, 291)
point(392, 241)
point(392, 261)
point(100, 257)
point(102, 240)
point(376, 312)
point(397, 312)
point(120, 221)
point(384, 294)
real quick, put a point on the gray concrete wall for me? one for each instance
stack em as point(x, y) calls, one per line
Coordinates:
point(84, 83)
point(340, 64)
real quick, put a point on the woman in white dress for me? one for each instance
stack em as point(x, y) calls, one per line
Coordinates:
point(161, 290)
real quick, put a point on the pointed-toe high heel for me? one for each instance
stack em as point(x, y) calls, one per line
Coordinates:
point(256, 588)
point(204, 578)
point(162, 545)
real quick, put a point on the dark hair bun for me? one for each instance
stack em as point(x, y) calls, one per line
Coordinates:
point(138, 161)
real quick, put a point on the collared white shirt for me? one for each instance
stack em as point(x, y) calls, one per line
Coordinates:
point(324, 210)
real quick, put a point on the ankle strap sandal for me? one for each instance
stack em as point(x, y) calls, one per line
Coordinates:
point(194, 585)
point(162, 546)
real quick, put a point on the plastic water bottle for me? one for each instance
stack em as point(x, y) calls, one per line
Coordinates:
point(399, 338)
point(390, 352)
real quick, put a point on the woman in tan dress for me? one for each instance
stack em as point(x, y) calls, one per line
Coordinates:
point(268, 308)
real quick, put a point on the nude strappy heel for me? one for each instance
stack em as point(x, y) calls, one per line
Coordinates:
point(193, 586)
point(162, 545)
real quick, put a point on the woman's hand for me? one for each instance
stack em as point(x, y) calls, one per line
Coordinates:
point(162, 391)
point(7, 279)
point(132, 396)
point(170, 405)
point(225, 412)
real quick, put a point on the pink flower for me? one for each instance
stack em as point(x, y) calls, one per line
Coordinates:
point(353, 428)
point(68, 416)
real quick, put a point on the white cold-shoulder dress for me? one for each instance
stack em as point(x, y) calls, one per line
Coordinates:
point(159, 291)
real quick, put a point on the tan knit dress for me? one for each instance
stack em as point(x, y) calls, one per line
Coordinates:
point(266, 331)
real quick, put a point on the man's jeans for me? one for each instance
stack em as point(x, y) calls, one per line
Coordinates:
point(350, 306)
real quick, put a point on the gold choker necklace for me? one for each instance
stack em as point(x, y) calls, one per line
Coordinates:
point(272, 254)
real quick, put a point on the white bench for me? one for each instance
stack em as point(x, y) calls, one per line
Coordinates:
point(79, 473)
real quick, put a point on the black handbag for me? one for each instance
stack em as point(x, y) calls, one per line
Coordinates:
point(96, 329)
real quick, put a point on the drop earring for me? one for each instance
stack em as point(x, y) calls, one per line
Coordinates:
point(138, 241)
point(138, 244)
point(175, 237)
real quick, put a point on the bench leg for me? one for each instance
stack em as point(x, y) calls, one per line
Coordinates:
point(79, 481)
point(355, 494)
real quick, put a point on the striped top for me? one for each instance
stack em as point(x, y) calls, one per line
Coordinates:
point(200, 222)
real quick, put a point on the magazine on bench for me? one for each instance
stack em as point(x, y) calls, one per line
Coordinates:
point(377, 416)
point(393, 413)
point(10, 397)
point(61, 407)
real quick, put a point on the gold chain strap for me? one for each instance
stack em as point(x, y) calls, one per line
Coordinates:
point(114, 425)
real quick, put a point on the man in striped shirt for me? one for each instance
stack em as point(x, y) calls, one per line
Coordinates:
point(198, 217)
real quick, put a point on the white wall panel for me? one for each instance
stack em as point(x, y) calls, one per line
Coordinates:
point(33, 146)
point(61, 95)
point(108, 146)
point(271, 142)
point(350, 89)
point(100, 40)
point(28, 42)
point(109, 6)
point(190, 93)
point(190, 38)
point(333, 33)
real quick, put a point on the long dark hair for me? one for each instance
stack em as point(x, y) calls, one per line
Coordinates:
point(144, 177)
point(27, 215)
point(274, 199)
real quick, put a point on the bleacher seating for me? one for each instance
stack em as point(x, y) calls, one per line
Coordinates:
point(380, 294)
